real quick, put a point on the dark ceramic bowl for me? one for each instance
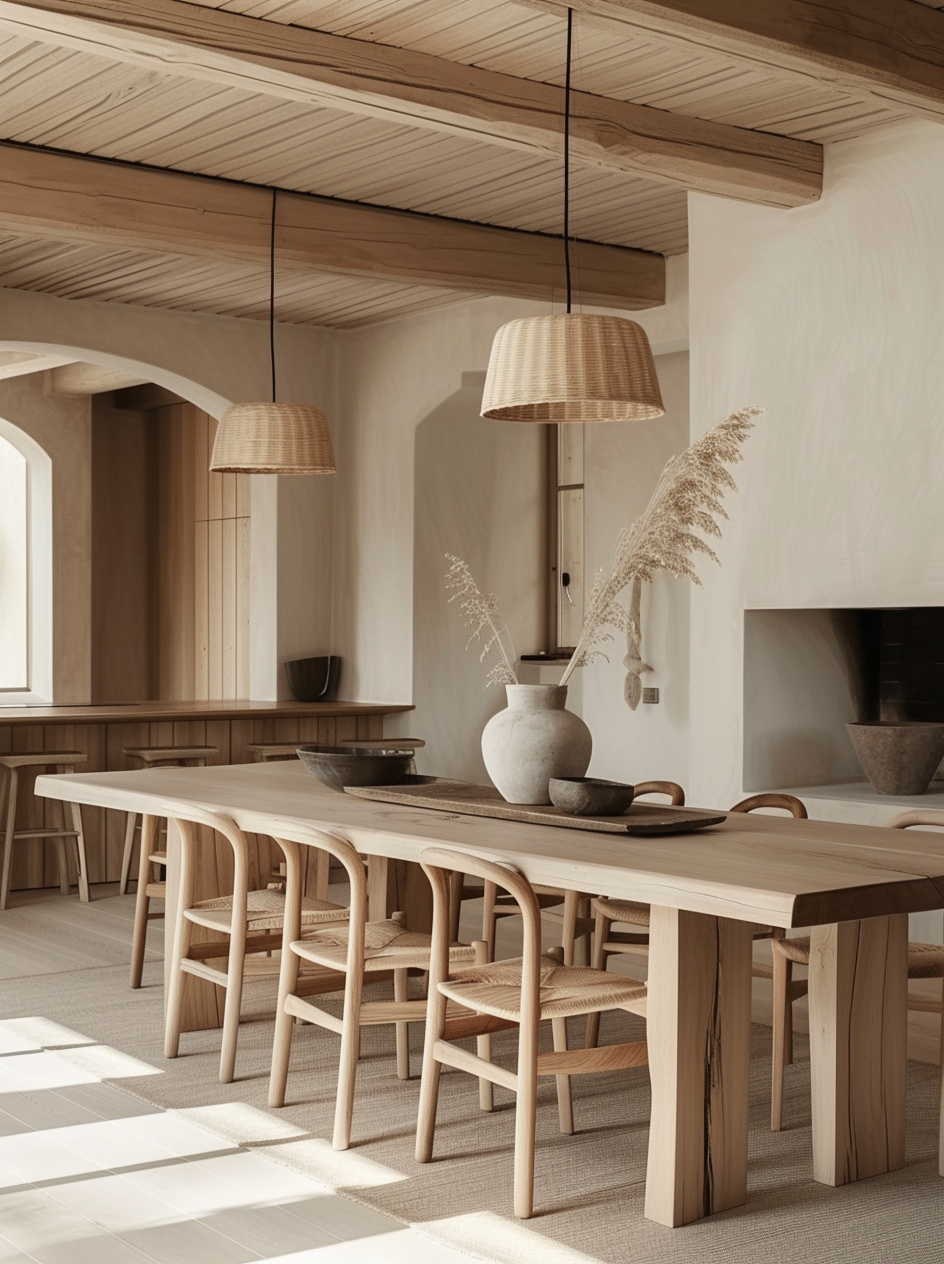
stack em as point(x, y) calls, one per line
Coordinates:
point(340, 766)
point(590, 796)
point(314, 679)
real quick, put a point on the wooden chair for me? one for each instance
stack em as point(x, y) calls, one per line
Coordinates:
point(522, 993)
point(627, 912)
point(361, 952)
point(59, 761)
point(925, 961)
point(249, 922)
point(152, 858)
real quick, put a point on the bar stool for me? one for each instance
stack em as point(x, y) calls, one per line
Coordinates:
point(61, 761)
point(149, 887)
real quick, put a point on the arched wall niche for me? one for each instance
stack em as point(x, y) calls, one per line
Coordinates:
point(36, 521)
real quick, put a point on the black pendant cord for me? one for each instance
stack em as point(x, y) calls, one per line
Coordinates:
point(272, 292)
point(570, 39)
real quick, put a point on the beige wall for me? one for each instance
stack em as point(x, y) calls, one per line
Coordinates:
point(623, 463)
point(830, 316)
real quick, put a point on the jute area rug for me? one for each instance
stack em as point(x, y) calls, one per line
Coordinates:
point(589, 1188)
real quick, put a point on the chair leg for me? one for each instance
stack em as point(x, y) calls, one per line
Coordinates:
point(8, 840)
point(62, 863)
point(601, 929)
point(126, 853)
point(142, 901)
point(432, 1070)
point(582, 945)
point(483, 1044)
point(288, 975)
point(489, 920)
point(76, 811)
point(525, 1119)
point(403, 1029)
point(565, 1105)
point(175, 991)
point(350, 1051)
point(569, 927)
point(782, 1029)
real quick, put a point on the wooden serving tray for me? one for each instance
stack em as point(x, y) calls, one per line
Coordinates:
point(444, 795)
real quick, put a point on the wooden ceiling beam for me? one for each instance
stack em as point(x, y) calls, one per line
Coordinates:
point(70, 198)
point(298, 64)
point(888, 50)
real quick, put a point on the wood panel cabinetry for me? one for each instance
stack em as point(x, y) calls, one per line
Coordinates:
point(105, 739)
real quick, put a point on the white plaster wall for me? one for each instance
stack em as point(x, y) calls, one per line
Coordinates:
point(622, 464)
point(832, 317)
point(391, 377)
point(479, 494)
point(214, 361)
point(62, 426)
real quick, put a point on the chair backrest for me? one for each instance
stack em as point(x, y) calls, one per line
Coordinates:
point(788, 802)
point(671, 788)
point(438, 863)
point(185, 816)
point(921, 816)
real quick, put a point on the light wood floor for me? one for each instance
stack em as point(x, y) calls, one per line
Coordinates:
point(90, 1174)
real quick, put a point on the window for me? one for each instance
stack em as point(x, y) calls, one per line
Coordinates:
point(25, 568)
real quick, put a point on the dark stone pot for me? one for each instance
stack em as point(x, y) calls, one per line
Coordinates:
point(899, 756)
point(314, 679)
point(590, 796)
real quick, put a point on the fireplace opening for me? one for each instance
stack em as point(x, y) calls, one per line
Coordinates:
point(807, 673)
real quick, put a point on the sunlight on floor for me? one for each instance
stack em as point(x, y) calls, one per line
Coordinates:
point(91, 1175)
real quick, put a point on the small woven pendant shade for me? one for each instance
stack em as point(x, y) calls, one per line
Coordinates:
point(571, 368)
point(273, 439)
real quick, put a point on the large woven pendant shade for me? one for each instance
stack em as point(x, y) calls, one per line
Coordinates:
point(571, 368)
point(273, 439)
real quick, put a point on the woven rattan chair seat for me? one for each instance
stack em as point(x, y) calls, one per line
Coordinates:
point(265, 911)
point(925, 961)
point(387, 945)
point(622, 911)
point(565, 990)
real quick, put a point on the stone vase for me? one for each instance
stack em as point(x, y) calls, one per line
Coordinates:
point(899, 756)
point(533, 740)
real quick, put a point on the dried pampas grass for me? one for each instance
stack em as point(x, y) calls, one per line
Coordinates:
point(482, 613)
point(688, 495)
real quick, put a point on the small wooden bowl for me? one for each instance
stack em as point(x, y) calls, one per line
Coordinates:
point(590, 796)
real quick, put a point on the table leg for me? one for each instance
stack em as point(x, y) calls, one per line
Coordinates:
point(858, 1047)
point(202, 1004)
point(698, 1029)
point(378, 904)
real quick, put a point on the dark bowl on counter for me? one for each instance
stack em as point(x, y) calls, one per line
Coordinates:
point(314, 679)
point(590, 796)
point(340, 766)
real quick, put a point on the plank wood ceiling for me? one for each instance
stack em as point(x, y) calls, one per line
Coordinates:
point(70, 99)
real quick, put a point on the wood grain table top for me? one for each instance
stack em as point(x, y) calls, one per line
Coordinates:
point(773, 870)
point(142, 712)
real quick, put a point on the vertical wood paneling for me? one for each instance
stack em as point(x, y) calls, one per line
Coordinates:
point(201, 622)
point(228, 582)
point(242, 603)
point(215, 604)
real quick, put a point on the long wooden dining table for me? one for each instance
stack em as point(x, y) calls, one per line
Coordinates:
point(853, 885)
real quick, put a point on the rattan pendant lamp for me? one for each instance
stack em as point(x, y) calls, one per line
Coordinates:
point(573, 367)
point(273, 438)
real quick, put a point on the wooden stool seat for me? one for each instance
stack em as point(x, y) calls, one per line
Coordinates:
point(151, 755)
point(61, 761)
point(148, 889)
point(564, 990)
point(264, 911)
point(262, 752)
